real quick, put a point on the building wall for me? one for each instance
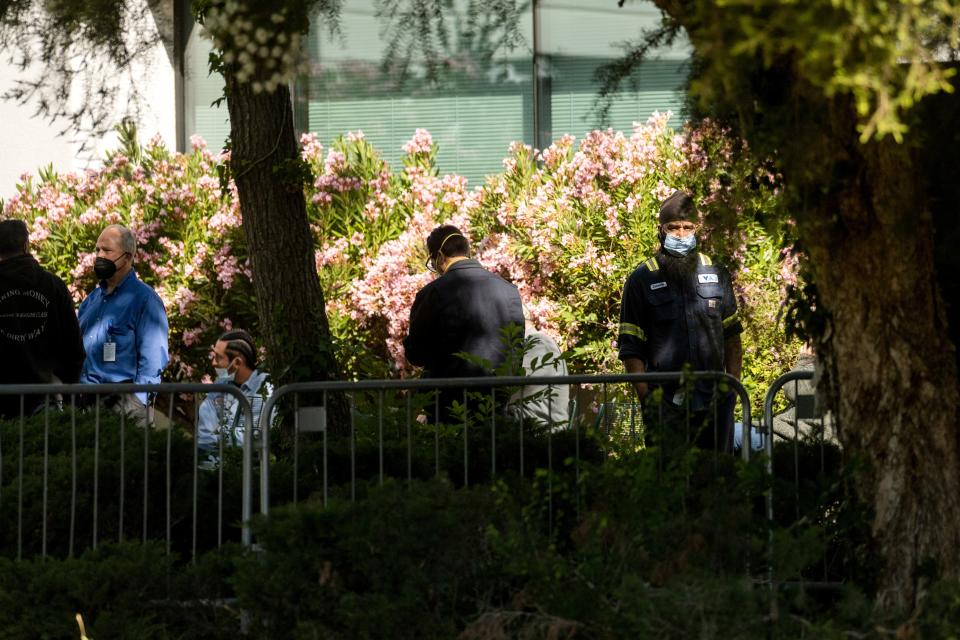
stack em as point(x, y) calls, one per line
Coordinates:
point(30, 142)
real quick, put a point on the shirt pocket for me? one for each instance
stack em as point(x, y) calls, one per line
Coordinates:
point(663, 305)
point(710, 296)
point(124, 336)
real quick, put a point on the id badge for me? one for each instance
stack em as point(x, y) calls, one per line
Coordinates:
point(110, 351)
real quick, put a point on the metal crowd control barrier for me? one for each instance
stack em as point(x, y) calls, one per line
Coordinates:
point(70, 393)
point(802, 412)
point(326, 391)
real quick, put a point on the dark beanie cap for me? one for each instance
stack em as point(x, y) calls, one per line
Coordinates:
point(679, 206)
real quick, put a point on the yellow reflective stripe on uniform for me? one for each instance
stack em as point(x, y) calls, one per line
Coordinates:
point(651, 264)
point(705, 260)
point(731, 319)
point(628, 329)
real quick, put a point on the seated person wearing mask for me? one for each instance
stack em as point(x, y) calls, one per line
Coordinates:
point(234, 358)
point(547, 405)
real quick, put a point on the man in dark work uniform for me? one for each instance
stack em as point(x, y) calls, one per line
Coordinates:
point(679, 309)
point(466, 310)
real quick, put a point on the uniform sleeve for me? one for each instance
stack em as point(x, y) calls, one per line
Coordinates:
point(424, 324)
point(728, 310)
point(152, 331)
point(70, 350)
point(632, 338)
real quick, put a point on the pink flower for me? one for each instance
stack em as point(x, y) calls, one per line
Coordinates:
point(184, 298)
point(335, 161)
point(209, 185)
point(77, 293)
point(321, 198)
point(165, 299)
point(612, 222)
point(227, 266)
point(84, 266)
point(311, 149)
point(421, 142)
point(146, 232)
point(332, 253)
point(156, 143)
point(90, 217)
point(192, 336)
point(224, 220)
point(662, 191)
point(557, 152)
point(357, 240)
point(187, 371)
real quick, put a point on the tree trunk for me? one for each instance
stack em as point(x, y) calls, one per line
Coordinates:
point(891, 364)
point(290, 303)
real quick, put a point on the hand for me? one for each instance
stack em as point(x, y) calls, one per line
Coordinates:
point(642, 389)
point(636, 365)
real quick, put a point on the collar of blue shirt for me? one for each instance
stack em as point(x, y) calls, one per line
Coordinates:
point(131, 275)
point(253, 384)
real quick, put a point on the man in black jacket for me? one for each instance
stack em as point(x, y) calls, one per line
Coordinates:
point(39, 334)
point(467, 310)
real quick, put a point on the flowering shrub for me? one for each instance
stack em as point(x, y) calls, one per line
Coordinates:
point(566, 225)
point(190, 245)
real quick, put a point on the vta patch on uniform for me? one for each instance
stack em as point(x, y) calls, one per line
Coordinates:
point(704, 278)
point(657, 285)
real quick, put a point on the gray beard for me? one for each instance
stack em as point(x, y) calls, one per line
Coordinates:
point(676, 268)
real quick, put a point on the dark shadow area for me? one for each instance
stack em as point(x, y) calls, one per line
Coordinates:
point(938, 121)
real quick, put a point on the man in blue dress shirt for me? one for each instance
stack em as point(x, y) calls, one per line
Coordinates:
point(124, 324)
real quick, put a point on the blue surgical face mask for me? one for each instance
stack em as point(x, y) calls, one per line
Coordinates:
point(680, 246)
point(224, 375)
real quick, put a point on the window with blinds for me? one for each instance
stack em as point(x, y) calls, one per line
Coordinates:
point(200, 90)
point(478, 103)
point(481, 101)
point(580, 36)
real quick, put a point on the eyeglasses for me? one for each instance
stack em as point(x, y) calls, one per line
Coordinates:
point(431, 264)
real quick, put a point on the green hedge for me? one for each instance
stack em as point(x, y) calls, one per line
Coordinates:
point(639, 549)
